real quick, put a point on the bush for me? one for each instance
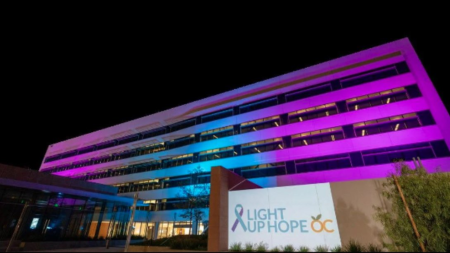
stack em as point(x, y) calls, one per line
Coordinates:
point(189, 242)
point(374, 248)
point(336, 249)
point(157, 242)
point(276, 249)
point(321, 249)
point(249, 247)
point(288, 248)
point(354, 246)
point(262, 247)
point(303, 249)
point(427, 196)
point(236, 247)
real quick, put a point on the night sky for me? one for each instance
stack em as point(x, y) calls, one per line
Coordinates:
point(65, 81)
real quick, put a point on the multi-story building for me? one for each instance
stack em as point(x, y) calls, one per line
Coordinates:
point(346, 119)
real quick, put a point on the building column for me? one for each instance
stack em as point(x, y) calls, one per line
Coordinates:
point(222, 181)
point(100, 219)
point(155, 231)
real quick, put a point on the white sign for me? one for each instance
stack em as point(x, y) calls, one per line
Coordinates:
point(295, 215)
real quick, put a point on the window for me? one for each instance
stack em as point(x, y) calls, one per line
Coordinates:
point(375, 99)
point(310, 138)
point(216, 133)
point(86, 150)
point(180, 142)
point(69, 154)
point(217, 115)
point(262, 146)
point(312, 113)
point(216, 154)
point(128, 139)
point(158, 147)
point(182, 125)
point(178, 161)
point(105, 145)
point(323, 163)
point(387, 125)
point(369, 76)
point(264, 170)
point(440, 148)
point(260, 124)
point(398, 153)
point(258, 105)
point(153, 133)
point(308, 92)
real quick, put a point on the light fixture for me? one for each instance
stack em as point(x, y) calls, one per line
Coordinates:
point(279, 145)
point(306, 143)
point(363, 132)
point(235, 153)
point(300, 118)
point(388, 101)
point(397, 126)
point(215, 136)
point(332, 137)
point(276, 123)
point(217, 156)
point(327, 113)
point(257, 150)
point(254, 128)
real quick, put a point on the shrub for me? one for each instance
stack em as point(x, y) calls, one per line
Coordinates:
point(425, 194)
point(236, 247)
point(354, 246)
point(303, 249)
point(188, 242)
point(249, 247)
point(321, 249)
point(374, 248)
point(276, 249)
point(288, 248)
point(262, 247)
point(336, 249)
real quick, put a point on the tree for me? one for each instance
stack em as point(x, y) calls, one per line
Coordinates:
point(195, 197)
point(428, 198)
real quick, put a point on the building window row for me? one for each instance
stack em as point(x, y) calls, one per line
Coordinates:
point(163, 183)
point(345, 82)
point(392, 124)
point(255, 125)
point(361, 129)
point(426, 150)
point(169, 204)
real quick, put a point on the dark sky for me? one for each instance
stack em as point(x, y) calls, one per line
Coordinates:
point(64, 80)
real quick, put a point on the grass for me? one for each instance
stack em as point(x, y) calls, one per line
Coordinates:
point(236, 247)
point(374, 248)
point(288, 248)
point(336, 249)
point(321, 249)
point(276, 249)
point(262, 247)
point(354, 246)
point(303, 249)
point(249, 247)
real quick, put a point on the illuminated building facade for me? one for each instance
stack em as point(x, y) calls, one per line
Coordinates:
point(342, 120)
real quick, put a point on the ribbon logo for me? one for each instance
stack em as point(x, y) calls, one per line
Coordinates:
point(239, 218)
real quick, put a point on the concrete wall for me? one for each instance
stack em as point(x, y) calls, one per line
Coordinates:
point(354, 205)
